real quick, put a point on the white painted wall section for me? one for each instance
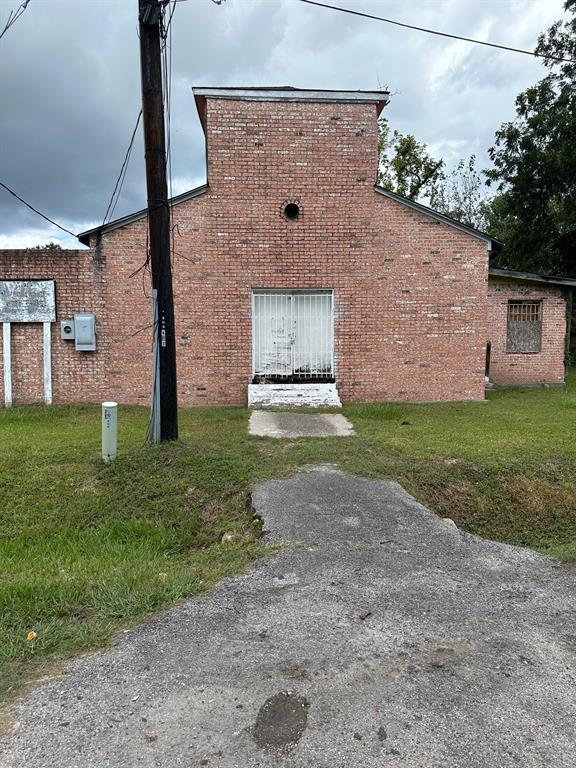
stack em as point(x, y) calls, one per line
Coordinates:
point(7, 364)
point(294, 395)
point(47, 343)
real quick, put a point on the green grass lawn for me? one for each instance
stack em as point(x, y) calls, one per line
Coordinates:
point(88, 548)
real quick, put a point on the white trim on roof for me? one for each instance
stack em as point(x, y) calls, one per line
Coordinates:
point(275, 94)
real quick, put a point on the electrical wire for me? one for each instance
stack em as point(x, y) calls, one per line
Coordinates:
point(435, 32)
point(14, 16)
point(43, 215)
point(113, 200)
point(121, 176)
point(371, 16)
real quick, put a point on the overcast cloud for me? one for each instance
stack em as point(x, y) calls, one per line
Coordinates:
point(70, 86)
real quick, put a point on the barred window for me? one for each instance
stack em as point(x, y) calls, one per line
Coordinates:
point(524, 333)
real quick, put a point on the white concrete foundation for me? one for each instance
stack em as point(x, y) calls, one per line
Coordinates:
point(293, 396)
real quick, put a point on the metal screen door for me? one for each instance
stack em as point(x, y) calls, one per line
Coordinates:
point(293, 335)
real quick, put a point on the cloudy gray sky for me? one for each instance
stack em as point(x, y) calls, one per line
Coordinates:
point(70, 86)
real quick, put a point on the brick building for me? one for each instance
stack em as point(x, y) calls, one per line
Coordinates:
point(291, 268)
point(528, 327)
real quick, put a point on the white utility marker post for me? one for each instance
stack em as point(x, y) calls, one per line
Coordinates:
point(109, 430)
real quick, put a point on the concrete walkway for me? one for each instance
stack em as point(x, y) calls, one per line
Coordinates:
point(379, 636)
point(290, 424)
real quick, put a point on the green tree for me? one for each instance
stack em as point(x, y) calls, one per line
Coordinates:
point(404, 164)
point(534, 163)
point(460, 194)
point(47, 247)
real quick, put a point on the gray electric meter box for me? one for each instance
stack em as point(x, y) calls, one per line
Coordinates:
point(67, 330)
point(85, 332)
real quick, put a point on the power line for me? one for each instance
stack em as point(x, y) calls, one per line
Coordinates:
point(11, 191)
point(13, 17)
point(122, 175)
point(115, 193)
point(435, 32)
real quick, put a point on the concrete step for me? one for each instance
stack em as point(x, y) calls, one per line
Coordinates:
point(293, 395)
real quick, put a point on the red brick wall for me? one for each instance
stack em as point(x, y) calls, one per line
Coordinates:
point(76, 376)
point(126, 323)
point(26, 344)
point(410, 292)
point(545, 367)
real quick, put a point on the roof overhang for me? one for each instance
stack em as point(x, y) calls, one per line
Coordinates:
point(530, 277)
point(491, 243)
point(287, 93)
point(84, 237)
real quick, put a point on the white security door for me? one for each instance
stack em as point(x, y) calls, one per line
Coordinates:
point(292, 334)
point(313, 329)
point(272, 334)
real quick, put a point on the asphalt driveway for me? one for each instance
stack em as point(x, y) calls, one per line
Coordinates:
point(380, 635)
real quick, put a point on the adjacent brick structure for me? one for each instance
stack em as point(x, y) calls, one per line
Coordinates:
point(410, 288)
point(80, 280)
point(544, 367)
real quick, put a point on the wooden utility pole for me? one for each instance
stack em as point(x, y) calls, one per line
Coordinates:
point(165, 406)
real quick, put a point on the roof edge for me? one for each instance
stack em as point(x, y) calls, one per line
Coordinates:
point(287, 93)
point(84, 237)
point(491, 242)
point(531, 277)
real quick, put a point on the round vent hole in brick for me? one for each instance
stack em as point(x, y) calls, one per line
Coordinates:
point(292, 211)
